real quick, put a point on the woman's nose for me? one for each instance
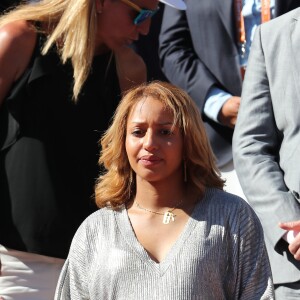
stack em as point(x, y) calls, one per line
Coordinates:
point(150, 142)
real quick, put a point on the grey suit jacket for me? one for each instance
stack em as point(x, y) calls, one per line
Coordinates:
point(266, 141)
point(198, 50)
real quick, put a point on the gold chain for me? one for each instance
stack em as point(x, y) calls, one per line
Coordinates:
point(168, 215)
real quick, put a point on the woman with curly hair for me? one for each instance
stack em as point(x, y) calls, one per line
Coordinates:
point(166, 229)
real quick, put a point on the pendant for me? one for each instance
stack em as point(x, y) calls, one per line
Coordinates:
point(168, 217)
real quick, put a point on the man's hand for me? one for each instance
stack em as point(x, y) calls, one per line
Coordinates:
point(294, 246)
point(228, 113)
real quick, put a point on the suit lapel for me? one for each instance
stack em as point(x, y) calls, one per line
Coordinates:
point(225, 10)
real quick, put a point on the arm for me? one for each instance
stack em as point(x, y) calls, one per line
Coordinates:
point(184, 68)
point(256, 145)
point(13, 62)
point(73, 279)
point(179, 61)
point(131, 68)
point(254, 275)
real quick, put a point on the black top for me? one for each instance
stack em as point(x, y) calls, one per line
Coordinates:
point(48, 160)
point(6, 5)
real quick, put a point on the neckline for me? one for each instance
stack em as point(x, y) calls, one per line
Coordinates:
point(126, 230)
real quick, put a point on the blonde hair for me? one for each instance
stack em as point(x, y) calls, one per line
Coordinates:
point(74, 23)
point(117, 185)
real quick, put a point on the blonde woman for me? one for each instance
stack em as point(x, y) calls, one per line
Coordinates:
point(166, 229)
point(63, 65)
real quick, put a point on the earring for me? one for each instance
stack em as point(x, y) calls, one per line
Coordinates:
point(184, 172)
point(130, 183)
point(130, 177)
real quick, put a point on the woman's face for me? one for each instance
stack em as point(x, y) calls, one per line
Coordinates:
point(153, 145)
point(116, 26)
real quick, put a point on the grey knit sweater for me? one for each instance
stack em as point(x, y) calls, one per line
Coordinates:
point(219, 255)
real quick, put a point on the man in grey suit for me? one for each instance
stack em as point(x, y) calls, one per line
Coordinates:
point(266, 144)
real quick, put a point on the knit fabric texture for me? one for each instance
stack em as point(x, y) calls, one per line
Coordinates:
point(220, 254)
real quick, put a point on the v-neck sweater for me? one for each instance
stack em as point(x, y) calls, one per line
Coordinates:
point(220, 254)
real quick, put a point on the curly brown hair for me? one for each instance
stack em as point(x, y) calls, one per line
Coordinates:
point(117, 185)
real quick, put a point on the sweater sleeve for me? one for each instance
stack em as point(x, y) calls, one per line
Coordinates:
point(254, 271)
point(73, 280)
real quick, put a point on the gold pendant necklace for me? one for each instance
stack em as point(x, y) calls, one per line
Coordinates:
point(168, 215)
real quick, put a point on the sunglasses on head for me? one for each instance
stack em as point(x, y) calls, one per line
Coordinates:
point(143, 13)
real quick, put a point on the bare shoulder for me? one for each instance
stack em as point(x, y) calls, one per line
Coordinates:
point(131, 67)
point(17, 42)
point(18, 33)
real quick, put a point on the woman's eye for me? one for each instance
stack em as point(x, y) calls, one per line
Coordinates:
point(166, 132)
point(137, 132)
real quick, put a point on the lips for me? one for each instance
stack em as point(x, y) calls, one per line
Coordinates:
point(150, 159)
